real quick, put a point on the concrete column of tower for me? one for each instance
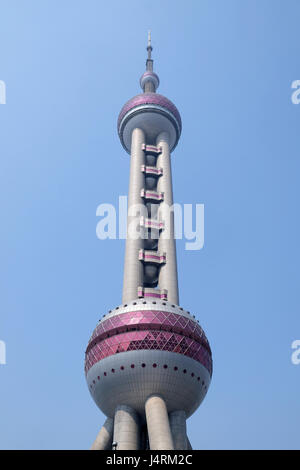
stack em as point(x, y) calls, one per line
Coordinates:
point(178, 429)
point(133, 268)
point(103, 440)
point(159, 432)
point(126, 428)
point(168, 272)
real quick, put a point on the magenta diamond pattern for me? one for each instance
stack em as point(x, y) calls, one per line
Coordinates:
point(152, 319)
point(149, 329)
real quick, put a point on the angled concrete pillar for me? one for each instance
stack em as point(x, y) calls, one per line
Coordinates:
point(103, 440)
point(159, 432)
point(178, 429)
point(168, 272)
point(126, 428)
point(189, 446)
point(133, 268)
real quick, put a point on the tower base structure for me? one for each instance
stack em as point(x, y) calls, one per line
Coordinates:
point(160, 432)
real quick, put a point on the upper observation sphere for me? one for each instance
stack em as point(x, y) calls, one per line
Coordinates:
point(149, 76)
point(153, 113)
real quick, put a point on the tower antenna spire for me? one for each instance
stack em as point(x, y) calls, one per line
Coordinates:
point(149, 47)
point(149, 80)
point(149, 63)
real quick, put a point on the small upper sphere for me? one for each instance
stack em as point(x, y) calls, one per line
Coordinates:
point(149, 76)
point(153, 113)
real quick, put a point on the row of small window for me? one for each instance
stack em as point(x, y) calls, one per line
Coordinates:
point(135, 303)
point(154, 365)
point(144, 302)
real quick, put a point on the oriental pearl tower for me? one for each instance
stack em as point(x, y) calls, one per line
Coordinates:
point(148, 363)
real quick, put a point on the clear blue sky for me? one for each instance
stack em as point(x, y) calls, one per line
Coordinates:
point(69, 66)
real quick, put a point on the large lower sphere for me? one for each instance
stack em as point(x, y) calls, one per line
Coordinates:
point(146, 348)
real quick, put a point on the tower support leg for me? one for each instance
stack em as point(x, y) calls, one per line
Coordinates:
point(159, 432)
point(126, 428)
point(103, 440)
point(178, 429)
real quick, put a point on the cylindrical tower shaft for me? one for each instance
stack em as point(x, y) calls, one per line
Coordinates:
point(126, 428)
point(178, 429)
point(133, 268)
point(159, 432)
point(168, 272)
